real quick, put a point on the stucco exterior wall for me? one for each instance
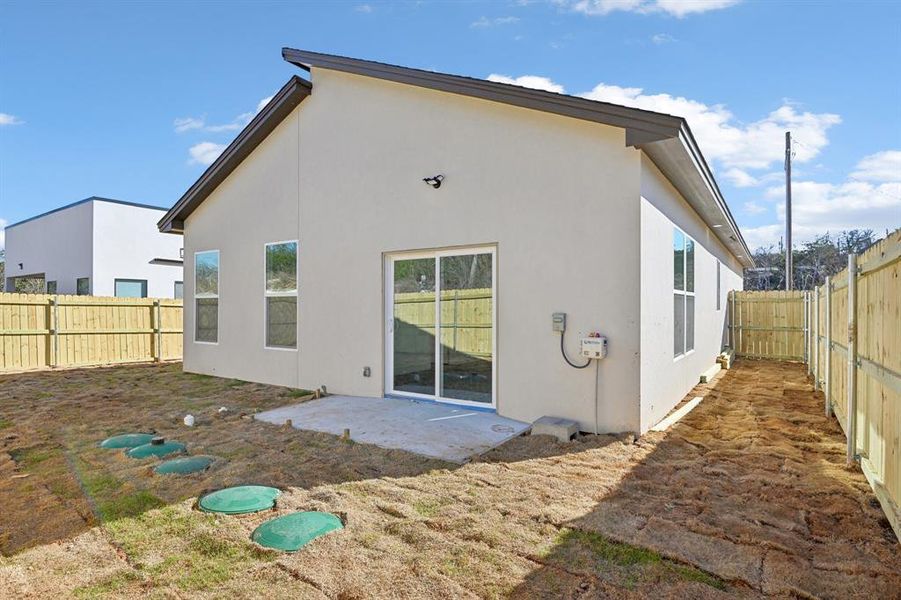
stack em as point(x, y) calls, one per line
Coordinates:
point(558, 198)
point(256, 204)
point(57, 245)
point(125, 241)
point(665, 380)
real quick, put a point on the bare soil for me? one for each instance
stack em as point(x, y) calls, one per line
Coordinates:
point(747, 496)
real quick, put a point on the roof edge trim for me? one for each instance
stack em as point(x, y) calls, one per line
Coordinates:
point(283, 102)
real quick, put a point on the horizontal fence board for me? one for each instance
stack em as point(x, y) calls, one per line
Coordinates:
point(39, 331)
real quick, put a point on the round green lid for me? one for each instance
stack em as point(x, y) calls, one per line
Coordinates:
point(184, 466)
point(293, 532)
point(240, 499)
point(164, 449)
point(126, 440)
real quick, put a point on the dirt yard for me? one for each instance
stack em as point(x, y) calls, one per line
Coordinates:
point(748, 496)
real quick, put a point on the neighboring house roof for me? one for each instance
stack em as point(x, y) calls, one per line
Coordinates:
point(91, 199)
point(281, 105)
point(666, 139)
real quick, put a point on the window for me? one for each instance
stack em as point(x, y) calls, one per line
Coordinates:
point(130, 288)
point(718, 298)
point(206, 297)
point(83, 286)
point(51, 287)
point(179, 291)
point(683, 293)
point(281, 295)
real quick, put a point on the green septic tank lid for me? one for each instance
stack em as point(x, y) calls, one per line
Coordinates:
point(164, 449)
point(126, 440)
point(184, 466)
point(240, 499)
point(293, 532)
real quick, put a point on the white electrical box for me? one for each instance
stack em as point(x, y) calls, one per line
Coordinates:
point(594, 346)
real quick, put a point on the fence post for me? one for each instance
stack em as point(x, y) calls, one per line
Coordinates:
point(52, 326)
point(852, 358)
point(827, 347)
point(816, 338)
point(732, 322)
point(806, 309)
point(158, 331)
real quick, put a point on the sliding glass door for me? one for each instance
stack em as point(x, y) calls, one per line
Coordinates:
point(441, 325)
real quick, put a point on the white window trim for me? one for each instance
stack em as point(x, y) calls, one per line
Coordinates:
point(216, 296)
point(685, 293)
point(285, 294)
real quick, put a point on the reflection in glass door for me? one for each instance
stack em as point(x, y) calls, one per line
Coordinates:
point(414, 326)
point(466, 327)
point(454, 361)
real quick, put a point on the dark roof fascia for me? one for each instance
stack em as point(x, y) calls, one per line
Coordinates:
point(642, 126)
point(79, 202)
point(704, 169)
point(281, 105)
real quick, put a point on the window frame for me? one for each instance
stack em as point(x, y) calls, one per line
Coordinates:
point(47, 286)
point(143, 283)
point(217, 295)
point(175, 287)
point(685, 293)
point(77, 292)
point(288, 294)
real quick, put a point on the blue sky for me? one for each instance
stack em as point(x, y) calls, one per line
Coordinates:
point(132, 100)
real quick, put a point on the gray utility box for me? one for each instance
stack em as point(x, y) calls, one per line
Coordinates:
point(562, 429)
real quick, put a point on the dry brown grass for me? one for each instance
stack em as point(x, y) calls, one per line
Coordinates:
point(749, 487)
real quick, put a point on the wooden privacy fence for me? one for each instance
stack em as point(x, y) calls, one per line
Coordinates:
point(466, 317)
point(848, 331)
point(39, 331)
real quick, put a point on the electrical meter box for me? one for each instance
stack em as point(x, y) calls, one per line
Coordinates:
point(594, 346)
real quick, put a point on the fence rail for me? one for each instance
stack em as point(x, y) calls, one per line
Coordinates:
point(39, 331)
point(848, 332)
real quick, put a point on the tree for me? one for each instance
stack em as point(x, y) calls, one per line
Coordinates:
point(815, 260)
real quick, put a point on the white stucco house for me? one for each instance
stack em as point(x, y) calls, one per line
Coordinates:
point(387, 231)
point(96, 246)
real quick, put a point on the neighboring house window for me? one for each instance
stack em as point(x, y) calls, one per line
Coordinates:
point(51, 287)
point(83, 286)
point(206, 296)
point(179, 292)
point(718, 300)
point(683, 293)
point(130, 288)
point(281, 295)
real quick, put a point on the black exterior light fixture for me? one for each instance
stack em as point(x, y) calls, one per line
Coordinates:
point(434, 181)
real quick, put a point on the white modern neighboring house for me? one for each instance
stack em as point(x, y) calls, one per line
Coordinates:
point(317, 243)
point(98, 247)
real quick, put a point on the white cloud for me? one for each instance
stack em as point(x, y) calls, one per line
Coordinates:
point(818, 208)
point(184, 124)
point(879, 167)
point(755, 145)
point(205, 153)
point(530, 81)
point(753, 208)
point(740, 178)
point(662, 38)
point(676, 8)
point(8, 119)
point(364, 8)
point(486, 22)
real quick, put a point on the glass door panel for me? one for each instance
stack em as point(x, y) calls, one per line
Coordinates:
point(413, 326)
point(466, 327)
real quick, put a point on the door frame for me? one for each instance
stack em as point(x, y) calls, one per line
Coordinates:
point(436, 254)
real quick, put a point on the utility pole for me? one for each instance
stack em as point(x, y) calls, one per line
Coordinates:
point(788, 210)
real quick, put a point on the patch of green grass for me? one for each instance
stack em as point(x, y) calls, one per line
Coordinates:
point(233, 383)
point(632, 558)
point(297, 393)
point(31, 457)
point(428, 508)
point(107, 586)
point(129, 506)
point(4, 423)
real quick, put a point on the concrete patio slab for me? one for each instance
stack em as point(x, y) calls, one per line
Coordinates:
point(451, 433)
